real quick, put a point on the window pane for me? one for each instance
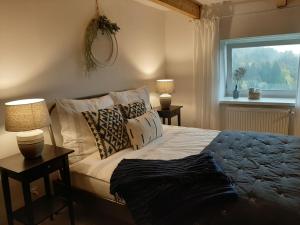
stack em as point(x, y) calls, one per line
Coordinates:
point(268, 67)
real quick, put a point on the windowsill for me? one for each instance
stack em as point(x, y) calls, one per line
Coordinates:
point(263, 101)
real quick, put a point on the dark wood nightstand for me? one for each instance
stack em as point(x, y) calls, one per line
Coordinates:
point(26, 171)
point(169, 113)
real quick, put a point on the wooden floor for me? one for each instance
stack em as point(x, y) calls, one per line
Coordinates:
point(83, 217)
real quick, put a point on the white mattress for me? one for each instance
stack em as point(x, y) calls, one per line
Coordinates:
point(93, 175)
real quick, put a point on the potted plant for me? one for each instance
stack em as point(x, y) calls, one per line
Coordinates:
point(237, 77)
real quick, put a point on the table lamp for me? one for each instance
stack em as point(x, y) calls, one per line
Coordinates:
point(165, 88)
point(27, 117)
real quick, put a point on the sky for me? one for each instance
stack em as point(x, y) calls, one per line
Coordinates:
point(282, 48)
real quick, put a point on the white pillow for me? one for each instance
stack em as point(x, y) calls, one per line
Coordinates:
point(74, 129)
point(144, 129)
point(127, 97)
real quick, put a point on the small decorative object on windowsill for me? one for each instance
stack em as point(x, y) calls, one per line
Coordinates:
point(101, 26)
point(238, 75)
point(236, 93)
point(27, 117)
point(165, 88)
point(254, 94)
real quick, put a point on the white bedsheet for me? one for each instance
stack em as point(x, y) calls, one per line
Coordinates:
point(93, 175)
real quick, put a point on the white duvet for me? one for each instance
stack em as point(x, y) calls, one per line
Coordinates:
point(93, 175)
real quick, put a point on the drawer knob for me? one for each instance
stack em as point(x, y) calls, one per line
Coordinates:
point(49, 167)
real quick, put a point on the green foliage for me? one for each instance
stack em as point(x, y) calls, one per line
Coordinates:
point(104, 24)
point(266, 68)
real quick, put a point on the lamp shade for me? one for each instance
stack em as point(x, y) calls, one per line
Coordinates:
point(165, 86)
point(26, 115)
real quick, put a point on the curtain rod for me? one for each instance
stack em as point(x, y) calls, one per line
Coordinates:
point(261, 12)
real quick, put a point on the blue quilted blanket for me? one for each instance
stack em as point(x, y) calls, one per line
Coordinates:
point(260, 172)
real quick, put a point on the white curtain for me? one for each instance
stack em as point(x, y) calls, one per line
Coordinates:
point(206, 72)
point(297, 113)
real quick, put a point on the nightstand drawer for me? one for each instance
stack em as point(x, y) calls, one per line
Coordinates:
point(44, 169)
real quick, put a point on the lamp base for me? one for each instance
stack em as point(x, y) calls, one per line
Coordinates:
point(165, 101)
point(31, 143)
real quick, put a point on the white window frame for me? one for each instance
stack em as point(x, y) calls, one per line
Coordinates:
point(226, 72)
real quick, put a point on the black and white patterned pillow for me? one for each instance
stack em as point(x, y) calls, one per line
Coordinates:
point(133, 110)
point(107, 126)
point(144, 129)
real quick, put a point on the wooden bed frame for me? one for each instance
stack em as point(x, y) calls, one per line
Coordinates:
point(117, 212)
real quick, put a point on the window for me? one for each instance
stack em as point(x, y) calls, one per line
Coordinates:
point(271, 63)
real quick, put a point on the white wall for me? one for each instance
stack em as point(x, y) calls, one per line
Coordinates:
point(179, 62)
point(41, 53)
point(259, 18)
point(239, 20)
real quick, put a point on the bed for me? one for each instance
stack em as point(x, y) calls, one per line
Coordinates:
point(269, 182)
point(93, 175)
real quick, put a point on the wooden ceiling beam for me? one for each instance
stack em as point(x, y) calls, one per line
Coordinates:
point(281, 3)
point(187, 7)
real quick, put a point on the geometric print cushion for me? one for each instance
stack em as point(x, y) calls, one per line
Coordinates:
point(144, 129)
point(133, 110)
point(107, 126)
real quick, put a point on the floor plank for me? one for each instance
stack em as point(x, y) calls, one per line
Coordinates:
point(82, 217)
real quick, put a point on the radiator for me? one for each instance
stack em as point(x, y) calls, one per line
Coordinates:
point(257, 119)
